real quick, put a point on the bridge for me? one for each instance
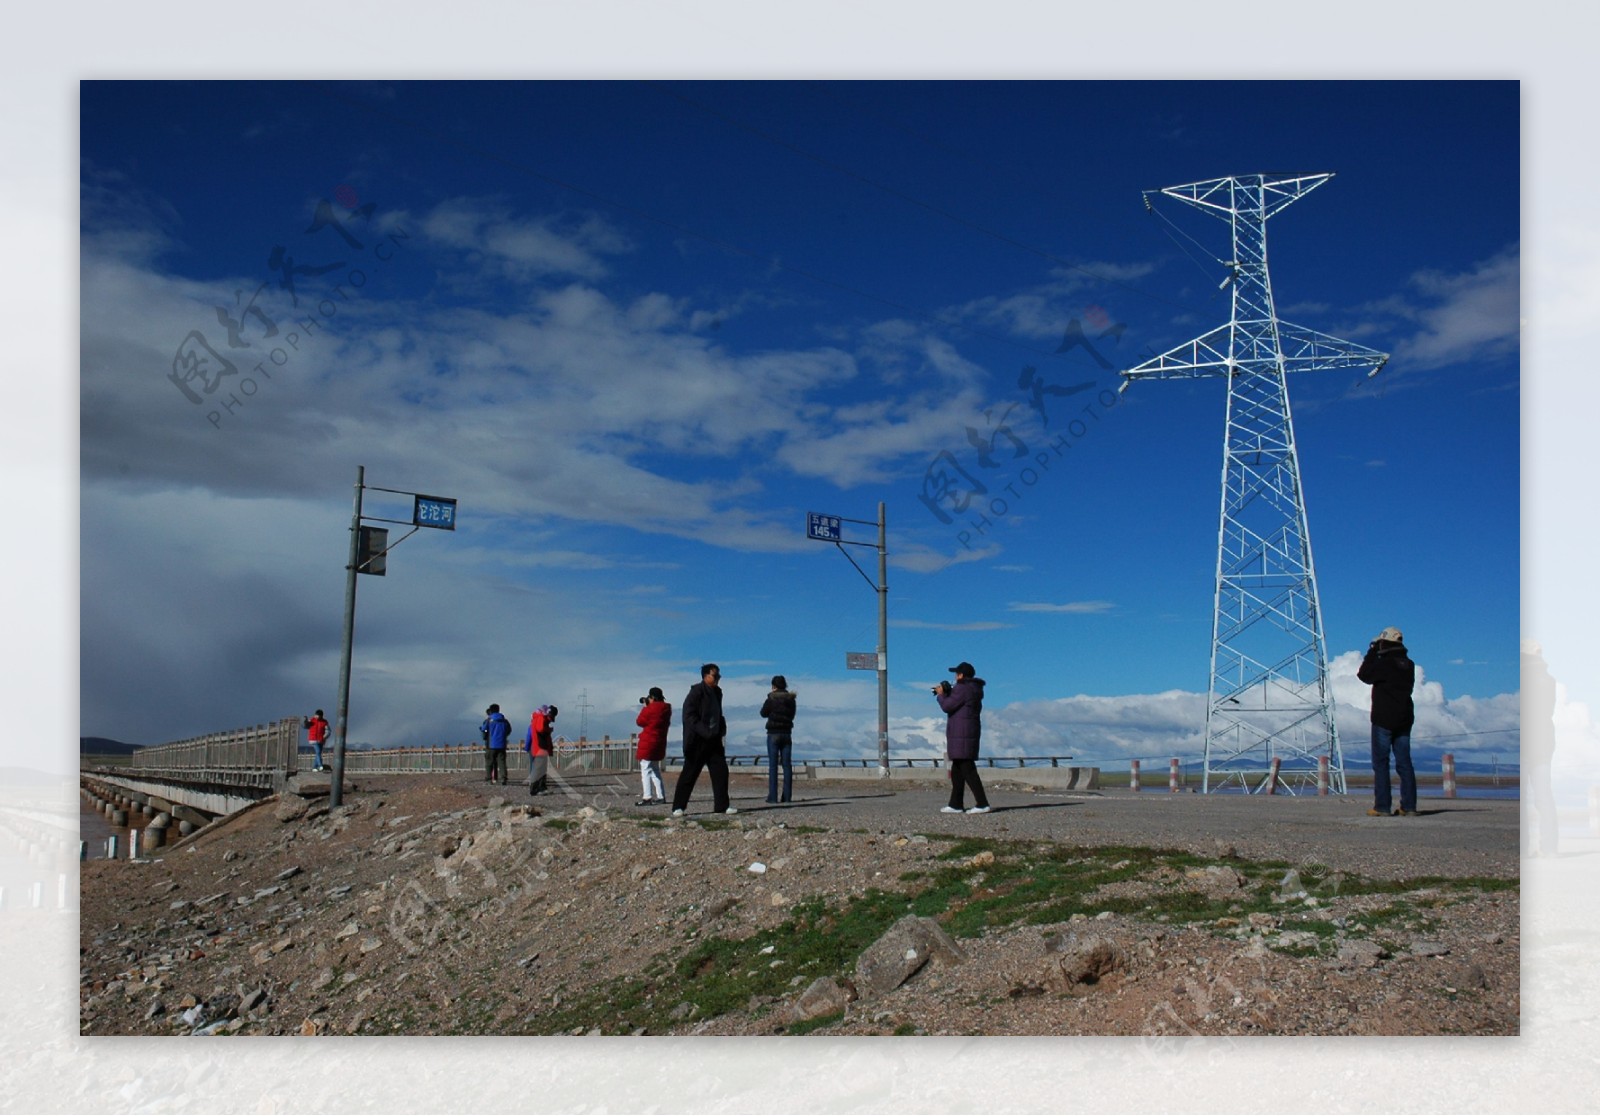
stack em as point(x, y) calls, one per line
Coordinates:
point(186, 784)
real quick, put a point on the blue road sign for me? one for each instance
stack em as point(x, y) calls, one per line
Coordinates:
point(828, 528)
point(434, 511)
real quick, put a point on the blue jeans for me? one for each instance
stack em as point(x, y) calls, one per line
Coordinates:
point(1384, 742)
point(779, 748)
point(317, 744)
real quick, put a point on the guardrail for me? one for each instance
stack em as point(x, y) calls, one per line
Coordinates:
point(260, 755)
point(569, 757)
point(897, 761)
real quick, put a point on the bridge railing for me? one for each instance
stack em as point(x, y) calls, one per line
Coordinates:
point(760, 760)
point(252, 755)
point(570, 757)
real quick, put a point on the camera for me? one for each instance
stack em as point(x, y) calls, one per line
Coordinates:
point(941, 688)
point(644, 700)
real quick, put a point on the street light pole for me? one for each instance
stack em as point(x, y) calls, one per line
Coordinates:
point(883, 643)
point(336, 790)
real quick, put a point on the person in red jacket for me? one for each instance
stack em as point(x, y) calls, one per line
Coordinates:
point(655, 717)
point(539, 743)
point(317, 735)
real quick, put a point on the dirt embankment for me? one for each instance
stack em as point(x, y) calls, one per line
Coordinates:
point(422, 906)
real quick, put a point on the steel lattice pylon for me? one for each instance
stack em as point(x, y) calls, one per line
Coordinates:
point(1268, 696)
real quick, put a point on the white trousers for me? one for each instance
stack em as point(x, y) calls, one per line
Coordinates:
point(650, 776)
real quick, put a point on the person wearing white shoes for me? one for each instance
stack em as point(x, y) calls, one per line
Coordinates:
point(963, 731)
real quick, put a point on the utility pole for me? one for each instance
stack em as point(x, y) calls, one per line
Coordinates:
point(336, 791)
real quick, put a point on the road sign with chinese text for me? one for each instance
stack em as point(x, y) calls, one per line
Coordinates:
point(434, 511)
point(828, 528)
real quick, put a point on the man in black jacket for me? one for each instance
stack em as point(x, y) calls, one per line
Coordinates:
point(703, 731)
point(1388, 669)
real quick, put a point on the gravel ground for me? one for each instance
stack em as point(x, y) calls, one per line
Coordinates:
point(442, 906)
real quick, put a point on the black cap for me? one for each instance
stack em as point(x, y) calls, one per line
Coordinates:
point(963, 668)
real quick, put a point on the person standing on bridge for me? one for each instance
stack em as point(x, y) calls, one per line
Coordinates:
point(704, 728)
point(539, 743)
point(317, 735)
point(963, 706)
point(1388, 669)
point(779, 712)
point(495, 730)
point(655, 718)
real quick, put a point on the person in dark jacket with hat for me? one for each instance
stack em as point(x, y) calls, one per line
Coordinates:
point(778, 709)
point(1388, 669)
point(963, 705)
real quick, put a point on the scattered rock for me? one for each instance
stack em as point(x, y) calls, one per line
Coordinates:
point(156, 1008)
point(1084, 960)
point(291, 807)
point(1358, 953)
point(683, 1011)
point(288, 873)
point(824, 996)
point(982, 860)
point(640, 871)
point(252, 1000)
point(1423, 947)
point(717, 909)
point(759, 868)
point(1291, 887)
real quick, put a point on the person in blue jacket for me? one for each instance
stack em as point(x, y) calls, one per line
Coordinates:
point(963, 705)
point(495, 730)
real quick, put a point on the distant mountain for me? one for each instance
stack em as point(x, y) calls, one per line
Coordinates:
point(105, 746)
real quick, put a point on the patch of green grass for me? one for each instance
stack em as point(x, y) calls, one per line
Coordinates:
point(559, 823)
point(1024, 883)
point(805, 1027)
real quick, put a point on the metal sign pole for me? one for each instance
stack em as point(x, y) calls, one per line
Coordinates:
point(336, 791)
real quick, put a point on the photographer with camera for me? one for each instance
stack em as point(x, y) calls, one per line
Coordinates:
point(963, 705)
point(655, 717)
point(1388, 669)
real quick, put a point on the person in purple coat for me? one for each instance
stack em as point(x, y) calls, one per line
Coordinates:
point(963, 705)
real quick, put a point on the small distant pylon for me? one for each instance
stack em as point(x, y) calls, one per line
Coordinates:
point(583, 715)
point(1268, 696)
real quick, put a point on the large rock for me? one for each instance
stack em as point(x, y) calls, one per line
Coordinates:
point(905, 948)
point(291, 807)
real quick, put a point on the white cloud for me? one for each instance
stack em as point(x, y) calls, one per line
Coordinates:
point(1075, 607)
point(524, 247)
point(1466, 316)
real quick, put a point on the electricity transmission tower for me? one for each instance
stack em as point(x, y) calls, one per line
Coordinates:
point(1268, 696)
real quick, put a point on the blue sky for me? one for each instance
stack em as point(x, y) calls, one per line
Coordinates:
point(638, 329)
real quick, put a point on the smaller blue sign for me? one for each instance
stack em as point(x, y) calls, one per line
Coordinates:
point(435, 511)
point(828, 528)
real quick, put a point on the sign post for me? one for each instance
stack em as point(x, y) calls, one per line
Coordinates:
point(830, 528)
point(369, 553)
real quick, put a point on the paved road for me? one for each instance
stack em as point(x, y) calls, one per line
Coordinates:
point(1452, 837)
